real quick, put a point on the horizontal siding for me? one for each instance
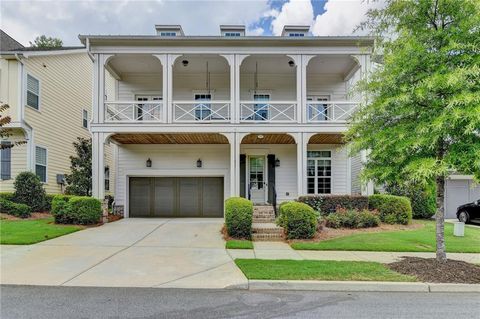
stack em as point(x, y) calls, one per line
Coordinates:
point(18, 163)
point(356, 170)
point(9, 90)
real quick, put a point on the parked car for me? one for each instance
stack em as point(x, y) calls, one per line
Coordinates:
point(467, 212)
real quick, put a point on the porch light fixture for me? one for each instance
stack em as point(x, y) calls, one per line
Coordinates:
point(260, 136)
point(149, 163)
point(199, 163)
point(185, 62)
point(277, 162)
point(291, 63)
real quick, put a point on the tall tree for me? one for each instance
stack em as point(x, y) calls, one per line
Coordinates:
point(46, 42)
point(422, 121)
point(79, 182)
point(5, 133)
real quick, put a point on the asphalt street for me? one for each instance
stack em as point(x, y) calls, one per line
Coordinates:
point(72, 302)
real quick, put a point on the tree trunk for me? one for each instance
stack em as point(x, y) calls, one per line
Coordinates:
point(440, 220)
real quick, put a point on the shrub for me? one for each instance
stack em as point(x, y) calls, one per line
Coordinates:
point(298, 219)
point(421, 197)
point(350, 218)
point(392, 209)
point(82, 210)
point(7, 196)
point(47, 206)
point(15, 209)
point(366, 219)
point(238, 217)
point(327, 204)
point(29, 190)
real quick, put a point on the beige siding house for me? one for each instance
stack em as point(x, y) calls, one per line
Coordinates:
point(49, 93)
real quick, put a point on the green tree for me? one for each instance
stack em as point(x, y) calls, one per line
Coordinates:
point(79, 182)
point(46, 42)
point(422, 121)
point(29, 191)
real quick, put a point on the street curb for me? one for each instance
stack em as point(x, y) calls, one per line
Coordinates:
point(359, 286)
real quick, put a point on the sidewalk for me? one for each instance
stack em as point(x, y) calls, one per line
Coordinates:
point(279, 250)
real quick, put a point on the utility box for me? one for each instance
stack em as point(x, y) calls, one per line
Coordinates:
point(458, 229)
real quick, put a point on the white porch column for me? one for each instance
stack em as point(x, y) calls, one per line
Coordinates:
point(233, 160)
point(98, 165)
point(103, 60)
point(302, 141)
point(236, 107)
point(96, 87)
point(169, 102)
point(297, 58)
point(305, 60)
point(231, 63)
point(164, 62)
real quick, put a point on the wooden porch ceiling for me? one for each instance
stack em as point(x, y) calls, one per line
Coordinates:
point(182, 138)
point(268, 139)
point(326, 139)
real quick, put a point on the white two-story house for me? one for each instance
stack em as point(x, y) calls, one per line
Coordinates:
point(197, 119)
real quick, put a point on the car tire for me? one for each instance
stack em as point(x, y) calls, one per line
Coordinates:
point(463, 216)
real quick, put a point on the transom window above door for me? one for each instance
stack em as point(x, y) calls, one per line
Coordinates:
point(319, 172)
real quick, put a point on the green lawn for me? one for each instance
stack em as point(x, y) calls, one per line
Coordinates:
point(318, 270)
point(239, 244)
point(417, 240)
point(24, 232)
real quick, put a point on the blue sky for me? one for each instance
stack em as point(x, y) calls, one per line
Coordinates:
point(66, 19)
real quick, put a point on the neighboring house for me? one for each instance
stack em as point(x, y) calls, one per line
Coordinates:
point(197, 119)
point(50, 96)
point(459, 190)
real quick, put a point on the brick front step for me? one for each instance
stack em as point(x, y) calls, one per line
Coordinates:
point(266, 228)
point(267, 237)
point(270, 219)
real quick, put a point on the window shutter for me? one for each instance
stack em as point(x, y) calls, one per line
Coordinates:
point(243, 171)
point(6, 161)
point(271, 176)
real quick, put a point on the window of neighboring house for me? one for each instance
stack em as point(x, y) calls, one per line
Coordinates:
point(6, 160)
point(261, 109)
point(202, 110)
point(85, 118)
point(33, 92)
point(319, 172)
point(41, 163)
point(168, 34)
point(107, 178)
point(232, 34)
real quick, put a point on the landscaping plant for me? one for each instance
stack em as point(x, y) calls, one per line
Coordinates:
point(80, 210)
point(421, 121)
point(350, 218)
point(298, 220)
point(422, 197)
point(239, 217)
point(14, 209)
point(392, 209)
point(79, 181)
point(29, 191)
point(327, 204)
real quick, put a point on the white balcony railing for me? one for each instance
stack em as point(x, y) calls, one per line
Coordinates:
point(268, 111)
point(325, 111)
point(201, 111)
point(136, 111)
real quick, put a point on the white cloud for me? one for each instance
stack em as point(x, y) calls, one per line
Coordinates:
point(256, 31)
point(67, 19)
point(342, 16)
point(297, 12)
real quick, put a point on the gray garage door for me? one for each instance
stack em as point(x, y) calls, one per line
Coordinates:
point(176, 197)
point(459, 192)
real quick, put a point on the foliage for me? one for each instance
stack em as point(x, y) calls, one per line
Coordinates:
point(239, 217)
point(5, 133)
point(46, 42)
point(29, 190)
point(421, 197)
point(14, 209)
point(327, 204)
point(48, 202)
point(80, 210)
point(79, 182)
point(7, 196)
point(298, 219)
point(392, 209)
point(350, 218)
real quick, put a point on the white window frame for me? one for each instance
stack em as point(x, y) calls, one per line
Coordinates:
point(148, 97)
point(106, 181)
point(232, 34)
point(39, 92)
point(316, 176)
point(269, 100)
point(168, 34)
point(85, 120)
point(317, 98)
point(46, 162)
point(195, 93)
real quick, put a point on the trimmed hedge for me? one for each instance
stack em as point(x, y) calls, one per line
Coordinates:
point(422, 198)
point(349, 218)
point(7, 196)
point(299, 220)
point(14, 209)
point(327, 204)
point(392, 209)
point(29, 191)
point(47, 205)
point(83, 210)
point(239, 217)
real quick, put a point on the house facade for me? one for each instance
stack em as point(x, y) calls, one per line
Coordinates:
point(197, 119)
point(49, 94)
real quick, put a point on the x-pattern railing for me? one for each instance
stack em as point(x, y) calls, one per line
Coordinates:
point(136, 111)
point(201, 111)
point(267, 111)
point(321, 111)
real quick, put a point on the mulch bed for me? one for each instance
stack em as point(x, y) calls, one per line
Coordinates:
point(34, 216)
point(430, 270)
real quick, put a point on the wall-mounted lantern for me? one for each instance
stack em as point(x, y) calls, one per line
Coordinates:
point(199, 163)
point(149, 163)
point(291, 63)
point(185, 63)
point(277, 162)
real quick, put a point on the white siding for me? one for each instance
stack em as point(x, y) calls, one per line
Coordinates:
point(282, 87)
point(327, 84)
point(356, 170)
point(133, 84)
point(339, 165)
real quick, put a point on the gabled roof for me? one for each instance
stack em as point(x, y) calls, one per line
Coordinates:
point(7, 43)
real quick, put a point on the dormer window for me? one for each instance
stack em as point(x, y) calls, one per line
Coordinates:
point(232, 34)
point(296, 34)
point(168, 34)
point(232, 30)
point(169, 30)
point(295, 30)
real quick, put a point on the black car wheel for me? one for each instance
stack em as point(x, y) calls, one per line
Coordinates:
point(463, 216)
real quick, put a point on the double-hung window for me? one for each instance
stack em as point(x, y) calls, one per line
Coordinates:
point(6, 160)
point(319, 172)
point(261, 110)
point(203, 110)
point(318, 111)
point(107, 178)
point(41, 163)
point(33, 92)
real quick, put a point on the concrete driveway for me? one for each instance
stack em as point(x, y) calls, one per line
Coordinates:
point(181, 253)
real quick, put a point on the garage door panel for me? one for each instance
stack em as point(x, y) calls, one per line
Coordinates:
point(164, 201)
point(189, 197)
point(212, 203)
point(139, 197)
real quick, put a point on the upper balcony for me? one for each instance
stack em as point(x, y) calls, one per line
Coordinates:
point(208, 88)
